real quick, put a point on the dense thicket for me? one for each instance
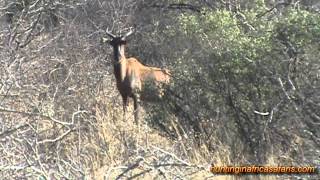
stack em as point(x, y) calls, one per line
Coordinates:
point(245, 89)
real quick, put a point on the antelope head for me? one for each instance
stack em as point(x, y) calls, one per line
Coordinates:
point(118, 43)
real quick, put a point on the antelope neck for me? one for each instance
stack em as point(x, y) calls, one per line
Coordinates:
point(119, 54)
point(119, 63)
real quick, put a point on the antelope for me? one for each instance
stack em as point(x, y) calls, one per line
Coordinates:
point(132, 76)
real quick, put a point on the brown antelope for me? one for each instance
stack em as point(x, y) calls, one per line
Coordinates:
point(132, 76)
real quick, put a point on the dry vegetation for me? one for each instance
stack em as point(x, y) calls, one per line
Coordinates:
point(61, 114)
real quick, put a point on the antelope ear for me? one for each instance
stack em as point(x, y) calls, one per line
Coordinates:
point(104, 40)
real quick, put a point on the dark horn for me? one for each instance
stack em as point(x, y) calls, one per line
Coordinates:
point(128, 33)
point(110, 34)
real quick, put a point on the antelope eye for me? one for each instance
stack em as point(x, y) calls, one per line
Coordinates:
point(111, 42)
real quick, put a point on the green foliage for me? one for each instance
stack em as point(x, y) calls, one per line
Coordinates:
point(300, 27)
point(242, 40)
point(235, 63)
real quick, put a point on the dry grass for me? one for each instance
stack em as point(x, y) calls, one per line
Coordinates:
point(148, 154)
point(145, 154)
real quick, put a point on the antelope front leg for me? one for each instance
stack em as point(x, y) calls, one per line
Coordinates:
point(125, 105)
point(136, 100)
